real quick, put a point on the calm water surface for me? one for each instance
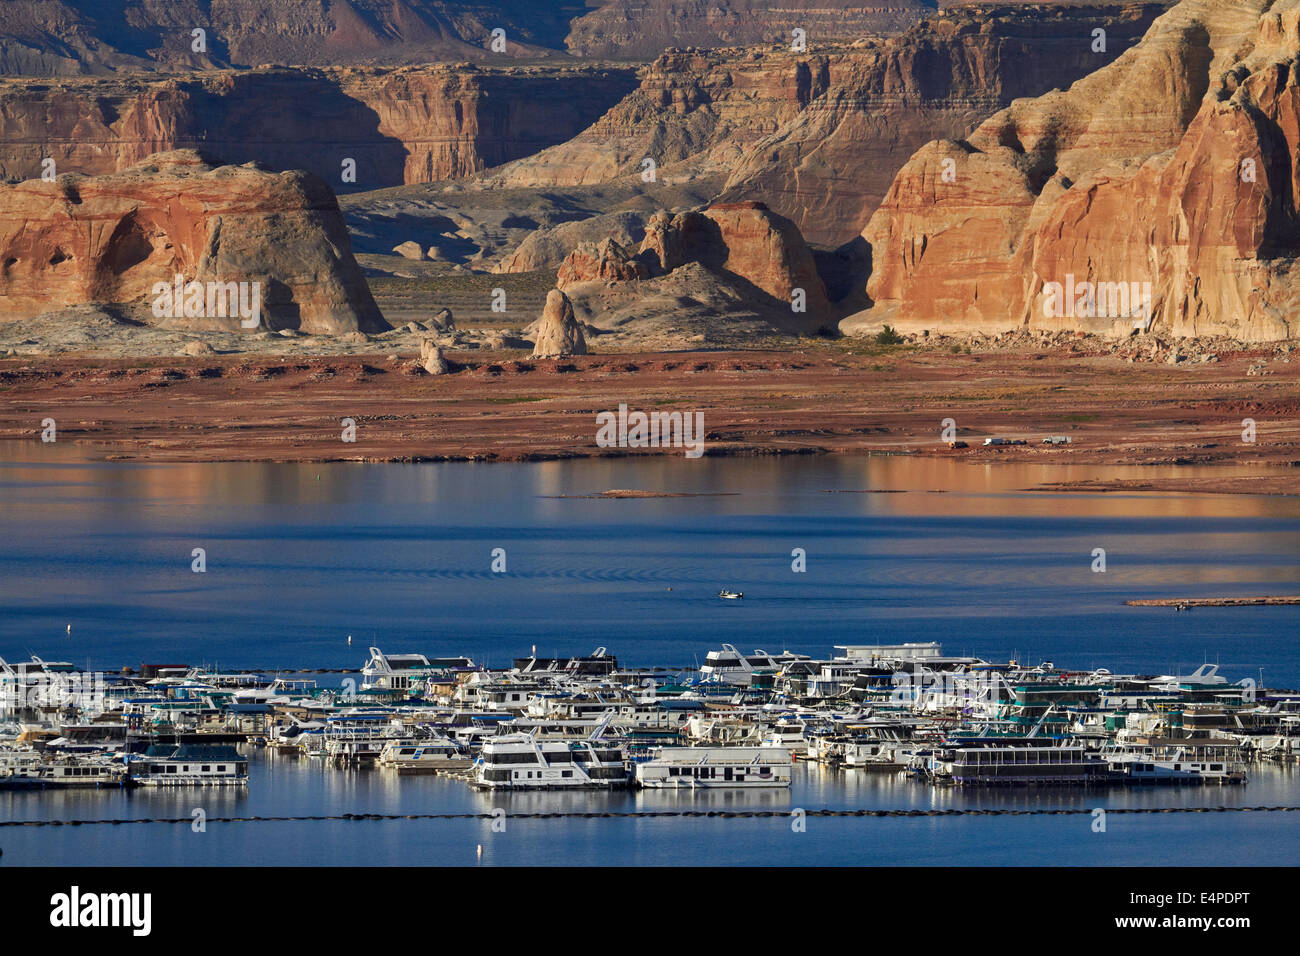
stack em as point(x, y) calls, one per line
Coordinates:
point(299, 557)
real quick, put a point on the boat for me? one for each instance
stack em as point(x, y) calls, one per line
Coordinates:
point(66, 772)
point(424, 755)
point(402, 673)
point(525, 762)
point(189, 765)
point(691, 768)
point(1165, 760)
point(730, 595)
point(729, 666)
point(788, 733)
point(1015, 761)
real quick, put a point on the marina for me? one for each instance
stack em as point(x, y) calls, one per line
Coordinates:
point(585, 723)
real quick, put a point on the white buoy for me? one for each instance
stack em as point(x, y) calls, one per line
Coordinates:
point(69, 630)
point(480, 851)
point(349, 640)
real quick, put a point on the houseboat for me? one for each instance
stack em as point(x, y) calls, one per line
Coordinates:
point(525, 762)
point(190, 765)
point(403, 673)
point(729, 666)
point(1156, 760)
point(424, 755)
point(787, 734)
point(1016, 762)
point(673, 768)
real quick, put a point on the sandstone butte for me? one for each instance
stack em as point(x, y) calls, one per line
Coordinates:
point(1174, 166)
point(109, 239)
point(756, 250)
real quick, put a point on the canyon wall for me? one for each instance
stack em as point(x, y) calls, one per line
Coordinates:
point(828, 168)
point(68, 37)
point(692, 113)
point(646, 27)
point(1158, 193)
point(819, 136)
point(410, 125)
point(110, 239)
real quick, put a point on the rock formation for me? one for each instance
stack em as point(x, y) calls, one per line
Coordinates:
point(1166, 179)
point(819, 135)
point(723, 275)
point(558, 333)
point(694, 114)
point(828, 167)
point(112, 239)
point(431, 358)
point(607, 262)
point(646, 27)
point(60, 37)
point(745, 243)
point(64, 37)
point(547, 248)
point(411, 125)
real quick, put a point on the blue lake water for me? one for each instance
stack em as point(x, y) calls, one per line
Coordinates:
point(299, 557)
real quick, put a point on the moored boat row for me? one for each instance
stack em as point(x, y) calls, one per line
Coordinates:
point(587, 722)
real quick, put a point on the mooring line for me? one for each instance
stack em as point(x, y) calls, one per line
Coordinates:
point(650, 814)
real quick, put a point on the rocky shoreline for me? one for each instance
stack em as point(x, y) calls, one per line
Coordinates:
point(825, 398)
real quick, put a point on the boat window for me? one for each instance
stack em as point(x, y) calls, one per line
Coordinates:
point(207, 768)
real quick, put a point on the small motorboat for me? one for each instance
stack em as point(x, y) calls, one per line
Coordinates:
point(730, 595)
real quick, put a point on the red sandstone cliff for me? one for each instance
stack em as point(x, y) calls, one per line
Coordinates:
point(818, 136)
point(1173, 169)
point(828, 167)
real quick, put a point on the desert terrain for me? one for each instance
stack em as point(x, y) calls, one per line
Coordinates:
point(821, 398)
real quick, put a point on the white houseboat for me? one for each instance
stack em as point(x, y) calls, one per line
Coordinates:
point(1173, 761)
point(401, 673)
point(709, 767)
point(525, 762)
point(424, 755)
point(729, 666)
point(190, 765)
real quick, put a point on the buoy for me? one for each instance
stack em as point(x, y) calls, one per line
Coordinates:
point(349, 640)
point(69, 630)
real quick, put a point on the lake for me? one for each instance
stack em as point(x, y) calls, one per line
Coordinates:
point(300, 557)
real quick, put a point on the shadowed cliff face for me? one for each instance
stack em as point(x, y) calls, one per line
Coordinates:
point(646, 27)
point(66, 37)
point(1157, 193)
point(407, 126)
